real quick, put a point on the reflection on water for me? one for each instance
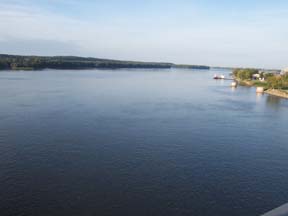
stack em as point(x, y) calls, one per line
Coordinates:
point(259, 94)
point(233, 88)
point(273, 101)
point(259, 97)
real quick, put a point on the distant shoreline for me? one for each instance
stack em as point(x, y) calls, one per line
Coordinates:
point(20, 62)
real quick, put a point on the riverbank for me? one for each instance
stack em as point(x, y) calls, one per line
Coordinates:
point(274, 92)
point(277, 92)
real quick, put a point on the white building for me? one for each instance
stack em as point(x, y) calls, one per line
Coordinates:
point(284, 71)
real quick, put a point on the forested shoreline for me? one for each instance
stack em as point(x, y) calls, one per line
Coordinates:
point(19, 62)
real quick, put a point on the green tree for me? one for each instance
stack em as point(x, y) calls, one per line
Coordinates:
point(245, 74)
point(275, 82)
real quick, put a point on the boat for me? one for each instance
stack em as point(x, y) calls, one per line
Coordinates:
point(219, 77)
point(215, 76)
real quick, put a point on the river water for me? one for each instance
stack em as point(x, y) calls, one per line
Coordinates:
point(139, 142)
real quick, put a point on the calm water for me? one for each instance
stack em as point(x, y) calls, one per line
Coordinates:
point(139, 142)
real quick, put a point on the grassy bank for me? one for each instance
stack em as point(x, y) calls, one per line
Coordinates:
point(273, 84)
point(250, 83)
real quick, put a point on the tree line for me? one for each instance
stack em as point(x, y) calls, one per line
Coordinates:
point(18, 62)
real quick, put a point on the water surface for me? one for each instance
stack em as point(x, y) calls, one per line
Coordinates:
point(139, 142)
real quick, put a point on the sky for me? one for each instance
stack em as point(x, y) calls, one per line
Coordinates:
point(246, 33)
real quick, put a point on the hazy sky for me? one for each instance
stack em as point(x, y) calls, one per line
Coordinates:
point(210, 32)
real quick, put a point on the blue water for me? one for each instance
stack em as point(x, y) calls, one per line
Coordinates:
point(139, 142)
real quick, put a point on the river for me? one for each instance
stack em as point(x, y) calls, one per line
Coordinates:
point(139, 142)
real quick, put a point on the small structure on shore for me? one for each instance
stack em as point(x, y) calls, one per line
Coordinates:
point(260, 90)
point(284, 71)
point(256, 76)
point(234, 84)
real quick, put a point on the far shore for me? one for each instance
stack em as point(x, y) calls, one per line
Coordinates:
point(20, 62)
